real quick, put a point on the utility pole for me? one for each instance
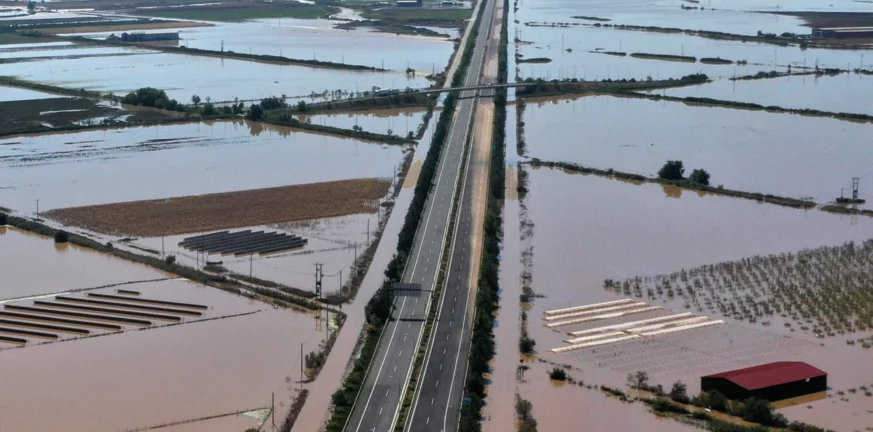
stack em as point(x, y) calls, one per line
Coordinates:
point(162, 246)
point(368, 233)
point(273, 410)
point(301, 366)
point(37, 209)
point(855, 181)
point(318, 275)
point(251, 259)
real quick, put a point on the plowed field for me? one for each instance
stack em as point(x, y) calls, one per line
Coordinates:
point(152, 218)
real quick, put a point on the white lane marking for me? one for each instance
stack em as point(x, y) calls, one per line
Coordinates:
point(380, 410)
point(381, 365)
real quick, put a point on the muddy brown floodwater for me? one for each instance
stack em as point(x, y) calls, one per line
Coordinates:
point(781, 154)
point(33, 265)
point(154, 376)
point(67, 170)
point(588, 229)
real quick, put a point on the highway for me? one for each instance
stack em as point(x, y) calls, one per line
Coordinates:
point(378, 404)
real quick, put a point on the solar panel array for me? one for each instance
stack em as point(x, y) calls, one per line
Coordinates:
point(243, 242)
point(69, 316)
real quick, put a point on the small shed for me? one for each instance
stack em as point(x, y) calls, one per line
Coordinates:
point(771, 381)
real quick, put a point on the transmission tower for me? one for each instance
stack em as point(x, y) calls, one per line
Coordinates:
point(318, 275)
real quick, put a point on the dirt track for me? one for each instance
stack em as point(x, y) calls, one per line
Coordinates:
point(181, 215)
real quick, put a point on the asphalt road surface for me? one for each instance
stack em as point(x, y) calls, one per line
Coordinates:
point(378, 404)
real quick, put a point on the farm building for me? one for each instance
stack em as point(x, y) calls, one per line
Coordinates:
point(149, 36)
point(771, 381)
point(843, 32)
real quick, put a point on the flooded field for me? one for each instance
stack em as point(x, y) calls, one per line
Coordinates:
point(122, 69)
point(66, 170)
point(26, 257)
point(843, 93)
point(647, 232)
point(782, 154)
point(154, 376)
point(13, 94)
point(336, 242)
point(398, 121)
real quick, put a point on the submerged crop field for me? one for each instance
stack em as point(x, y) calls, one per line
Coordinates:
point(623, 268)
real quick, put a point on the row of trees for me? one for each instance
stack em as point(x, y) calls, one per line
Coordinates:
point(675, 170)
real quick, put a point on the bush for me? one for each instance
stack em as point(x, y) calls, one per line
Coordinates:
point(672, 170)
point(61, 236)
point(665, 405)
point(526, 345)
point(170, 259)
point(699, 176)
point(558, 374)
point(2, 218)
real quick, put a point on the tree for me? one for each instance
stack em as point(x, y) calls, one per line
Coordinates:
point(256, 113)
point(31, 6)
point(170, 259)
point(699, 176)
point(302, 106)
point(672, 170)
point(679, 392)
point(209, 109)
point(2, 218)
point(717, 401)
point(195, 100)
point(638, 380)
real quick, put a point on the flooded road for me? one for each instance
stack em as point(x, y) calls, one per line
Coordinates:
point(66, 170)
point(756, 151)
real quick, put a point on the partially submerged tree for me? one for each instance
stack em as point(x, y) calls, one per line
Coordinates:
point(672, 170)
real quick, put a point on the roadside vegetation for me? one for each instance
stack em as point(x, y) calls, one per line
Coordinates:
point(482, 348)
point(378, 308)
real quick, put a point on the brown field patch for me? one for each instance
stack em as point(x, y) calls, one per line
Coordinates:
point(152, 218)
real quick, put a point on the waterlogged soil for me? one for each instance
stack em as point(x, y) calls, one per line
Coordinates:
point(27, 256)
point(847, 93)
point(69, 170)
point(179, 215)
point(648, 233)
point(781, 154)
point(23, 116)
point(124, 69)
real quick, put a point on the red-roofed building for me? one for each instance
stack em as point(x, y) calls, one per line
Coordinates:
point(771, 381)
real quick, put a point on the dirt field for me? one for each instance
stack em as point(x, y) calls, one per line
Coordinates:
point(834, 19)
point(65, 112)
point(182, 215)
